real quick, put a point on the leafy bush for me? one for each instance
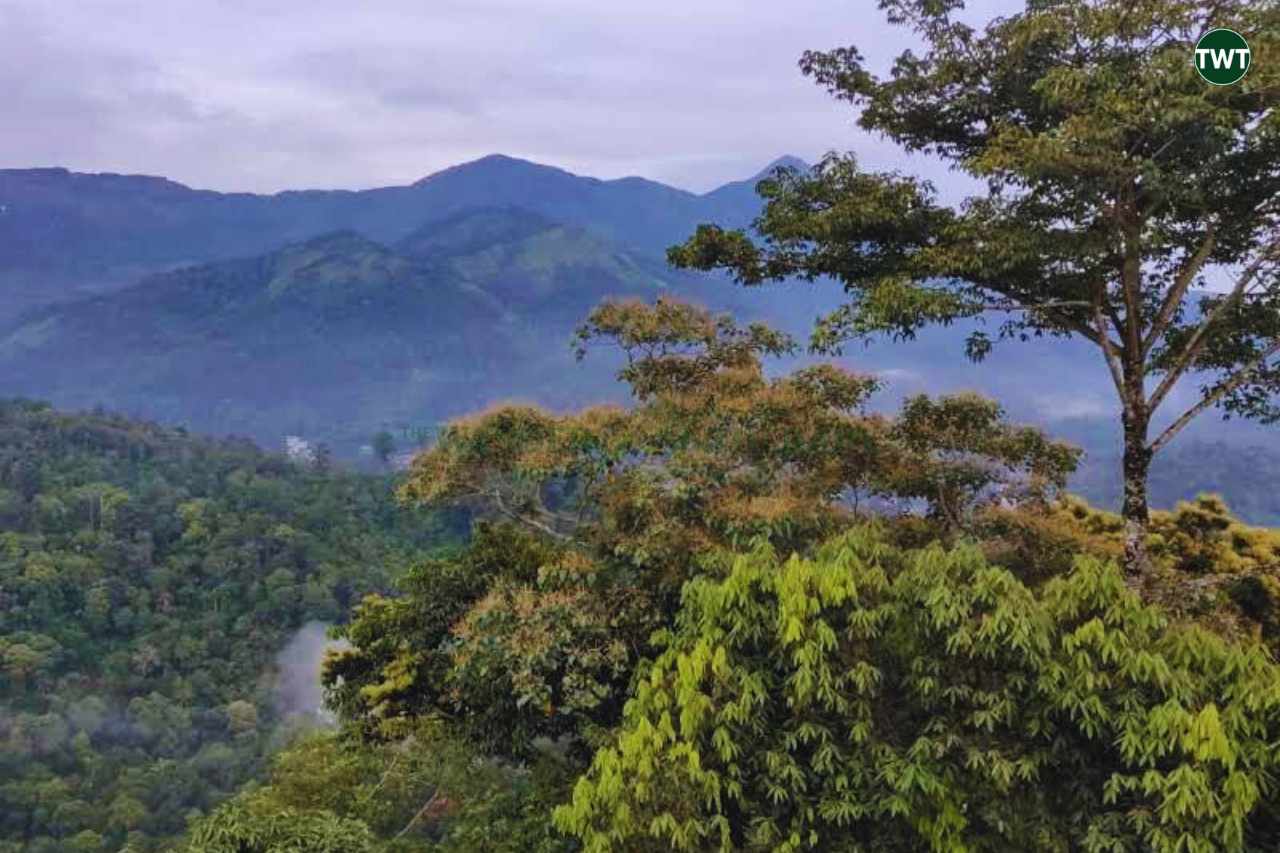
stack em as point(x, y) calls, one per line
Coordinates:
point(878, 699)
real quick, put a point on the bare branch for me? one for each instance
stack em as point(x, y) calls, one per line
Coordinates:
point(1235, 381)
point(368, 795)
point(1109, 350)
point(524, 519)
point(1199, 337)
point(426, 807)
point(1179, 289)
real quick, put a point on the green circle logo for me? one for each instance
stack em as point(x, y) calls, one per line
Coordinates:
point(1222, 57)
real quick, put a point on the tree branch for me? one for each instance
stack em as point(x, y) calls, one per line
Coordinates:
point(1079, 327)
point(1199, 337)
point(1234, 382)
point(1179, 289)
point(524, 519)
point(1109, 353)
point(382, 781)
point(1033, 306)
point(413, 821)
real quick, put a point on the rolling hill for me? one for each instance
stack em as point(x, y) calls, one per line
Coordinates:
point(66, 234)
point(338, 337)
point(335, 315)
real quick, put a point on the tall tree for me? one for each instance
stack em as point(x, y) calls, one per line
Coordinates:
point(1115, 179)
point(537, 629)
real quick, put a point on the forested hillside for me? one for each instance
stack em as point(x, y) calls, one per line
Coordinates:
point(339, 337)
point(746, 613)
point(148, 579)
point(66, 234)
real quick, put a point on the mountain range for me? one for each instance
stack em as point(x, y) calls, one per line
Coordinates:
point(335, 315)
point(64, 233)
point(337, 337)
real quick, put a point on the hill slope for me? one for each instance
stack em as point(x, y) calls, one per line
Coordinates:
point(463, 290)
point(148, 580)
point(64, 233)
point(337, 337)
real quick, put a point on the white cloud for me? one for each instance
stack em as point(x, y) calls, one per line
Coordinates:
point(234, 94)
point(1061, 407)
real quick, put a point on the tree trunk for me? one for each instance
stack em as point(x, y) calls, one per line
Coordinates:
point(1137, 517)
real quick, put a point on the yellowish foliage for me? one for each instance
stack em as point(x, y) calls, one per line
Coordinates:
point(1208, 565)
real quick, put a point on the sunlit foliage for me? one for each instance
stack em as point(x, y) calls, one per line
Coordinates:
point(874, 699)
point(538, 629)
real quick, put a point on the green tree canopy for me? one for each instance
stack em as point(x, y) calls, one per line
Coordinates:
point(537, 630)
point(875, 699)
point(684, 601)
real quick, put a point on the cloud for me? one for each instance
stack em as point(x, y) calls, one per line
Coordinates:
point(233, 94)
point(1061, 407)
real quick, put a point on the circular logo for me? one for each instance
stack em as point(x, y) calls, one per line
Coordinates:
point(1222, 57)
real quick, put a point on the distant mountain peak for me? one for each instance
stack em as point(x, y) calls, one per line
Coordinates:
point(746, 188)
point(499, 157)
point(498, 165)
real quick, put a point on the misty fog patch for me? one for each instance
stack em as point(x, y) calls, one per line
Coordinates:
point(298, 693)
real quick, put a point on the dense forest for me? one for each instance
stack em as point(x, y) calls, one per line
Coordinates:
point(147, 580)
point(748, 614)
point(622, 609)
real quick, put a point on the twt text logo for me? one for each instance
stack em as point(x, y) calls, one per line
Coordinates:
point(1222, 57)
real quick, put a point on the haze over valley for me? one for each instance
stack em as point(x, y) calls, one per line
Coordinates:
point(335, 315)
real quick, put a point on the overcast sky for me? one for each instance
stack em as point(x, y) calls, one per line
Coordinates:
point(262, 96)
